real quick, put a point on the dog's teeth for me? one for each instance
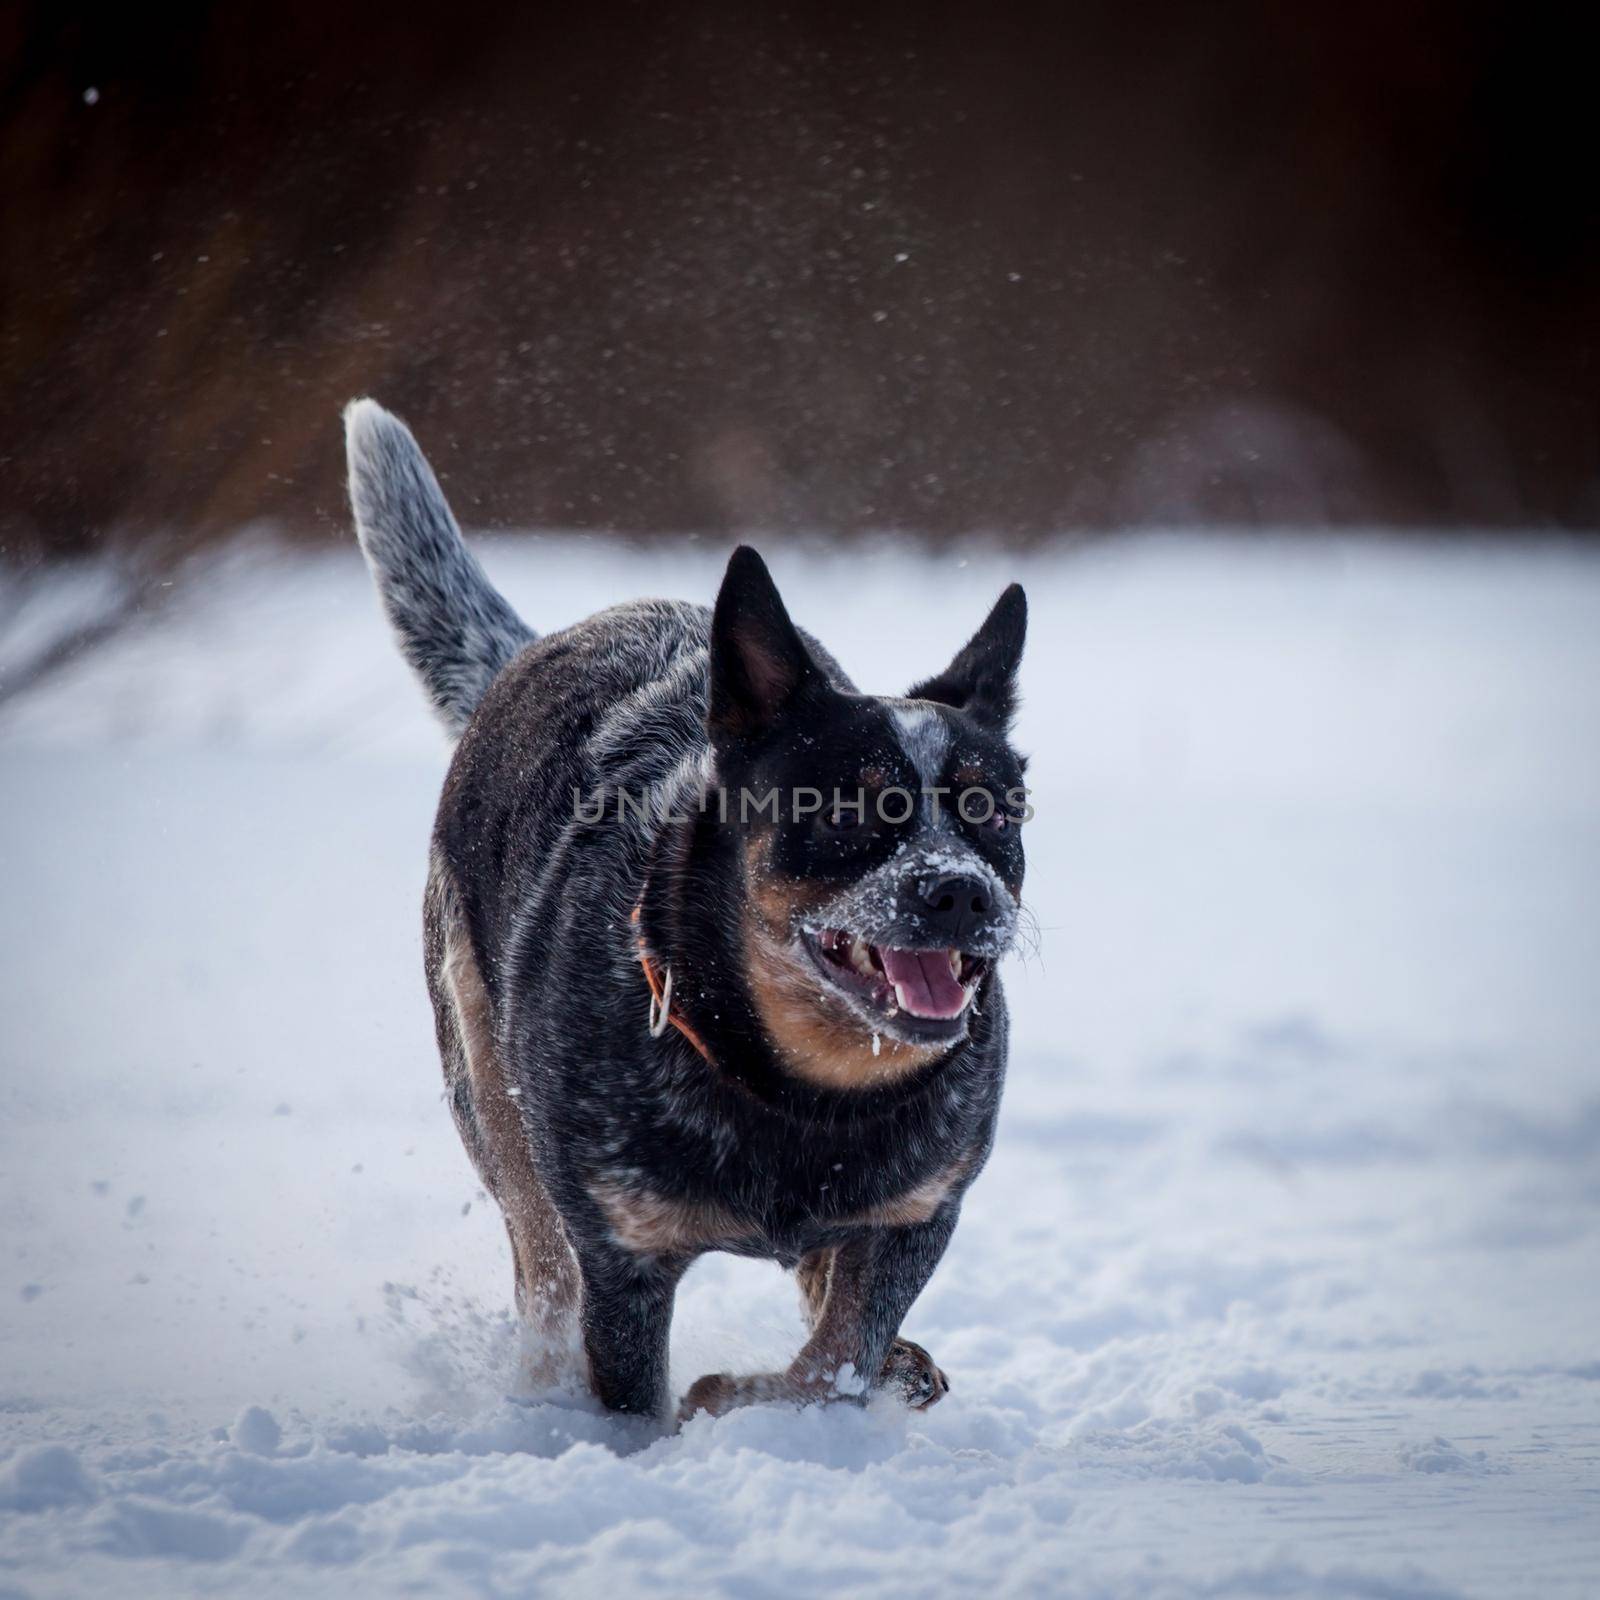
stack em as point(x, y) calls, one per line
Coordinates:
point(955, 963)
point(860, 956)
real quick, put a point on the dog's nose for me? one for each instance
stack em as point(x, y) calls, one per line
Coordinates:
point(955, 905)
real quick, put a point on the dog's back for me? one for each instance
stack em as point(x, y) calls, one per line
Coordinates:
point(612, 705)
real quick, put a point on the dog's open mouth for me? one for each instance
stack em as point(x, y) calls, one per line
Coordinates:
point(934, 985)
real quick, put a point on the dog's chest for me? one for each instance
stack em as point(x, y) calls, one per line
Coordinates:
point(778, 1210)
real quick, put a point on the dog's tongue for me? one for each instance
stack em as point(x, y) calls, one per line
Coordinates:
point(923, 982)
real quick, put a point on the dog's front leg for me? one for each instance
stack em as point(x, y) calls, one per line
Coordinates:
point(627, 1321)
point(871, 1282)
point(908, 1367)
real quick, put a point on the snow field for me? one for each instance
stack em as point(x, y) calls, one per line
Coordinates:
point(1282, 1280)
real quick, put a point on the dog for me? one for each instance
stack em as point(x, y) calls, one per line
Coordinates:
point(711, 939)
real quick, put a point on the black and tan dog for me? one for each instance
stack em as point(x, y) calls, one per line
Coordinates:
point(711, 940)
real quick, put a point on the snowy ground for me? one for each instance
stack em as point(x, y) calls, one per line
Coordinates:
point(1285, 1277)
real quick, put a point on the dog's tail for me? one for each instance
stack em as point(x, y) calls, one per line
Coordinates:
point(454, 627)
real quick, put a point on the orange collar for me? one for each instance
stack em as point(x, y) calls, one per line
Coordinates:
point(661, 993)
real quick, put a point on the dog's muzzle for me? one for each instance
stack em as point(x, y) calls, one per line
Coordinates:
point(909, 947)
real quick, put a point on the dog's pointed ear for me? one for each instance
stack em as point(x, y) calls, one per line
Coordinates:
point(759, 662)
point(982, 680)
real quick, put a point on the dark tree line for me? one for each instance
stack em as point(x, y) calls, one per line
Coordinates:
point(696, 265)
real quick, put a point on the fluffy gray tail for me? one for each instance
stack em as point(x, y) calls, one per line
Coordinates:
point(453, 626)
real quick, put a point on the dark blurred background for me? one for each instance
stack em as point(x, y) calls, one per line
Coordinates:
point(667, 266)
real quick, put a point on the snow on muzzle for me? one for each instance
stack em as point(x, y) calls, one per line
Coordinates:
point(883, 945)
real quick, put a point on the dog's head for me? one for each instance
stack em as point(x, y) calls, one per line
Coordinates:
point(880, 836)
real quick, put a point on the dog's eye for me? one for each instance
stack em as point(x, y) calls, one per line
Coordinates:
point(985, 812)
point(1000, 820)
point(842, 819)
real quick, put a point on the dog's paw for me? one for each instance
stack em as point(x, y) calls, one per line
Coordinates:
point(716, 1394)
point(914, 1374)
point(909, 1371)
